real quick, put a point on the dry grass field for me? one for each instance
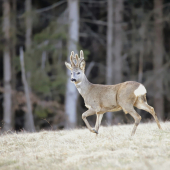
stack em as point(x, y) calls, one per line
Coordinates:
point(80, 149)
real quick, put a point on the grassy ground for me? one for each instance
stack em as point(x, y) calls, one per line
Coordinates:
point(113, 148)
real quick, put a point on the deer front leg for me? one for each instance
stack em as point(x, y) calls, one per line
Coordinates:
point(98, 121)
point(86, 114)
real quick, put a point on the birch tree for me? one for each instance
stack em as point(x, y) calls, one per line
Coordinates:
point(109, 59)
point(158, 58)
point(73, 38)
point(7, 67)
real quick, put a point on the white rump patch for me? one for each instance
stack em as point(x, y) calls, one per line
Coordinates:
point(140, 90)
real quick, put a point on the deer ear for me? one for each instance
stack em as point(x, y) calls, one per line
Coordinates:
point(68, 65)
point(82, 65)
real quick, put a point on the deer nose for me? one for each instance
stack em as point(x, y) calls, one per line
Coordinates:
point(73, 79)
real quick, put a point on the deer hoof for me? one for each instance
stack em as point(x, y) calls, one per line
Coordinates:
point(94, 131)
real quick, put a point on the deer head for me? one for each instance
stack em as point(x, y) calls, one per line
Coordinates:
point(77, 67)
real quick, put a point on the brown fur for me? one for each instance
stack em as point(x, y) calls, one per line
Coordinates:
point(100, 99)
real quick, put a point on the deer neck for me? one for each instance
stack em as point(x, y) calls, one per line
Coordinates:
point(84, 86)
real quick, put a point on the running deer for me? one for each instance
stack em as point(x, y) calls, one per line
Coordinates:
point(100, 99)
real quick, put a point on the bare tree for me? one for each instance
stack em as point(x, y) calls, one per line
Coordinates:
point(141, 50)
point(29, 121)
point(28, 24)
point(13, 41)
point(13, 55)
point(118, 41)
point(109, 59)
point(7, 67)
point(73, 38)
point(158, 58)
point(117, 48)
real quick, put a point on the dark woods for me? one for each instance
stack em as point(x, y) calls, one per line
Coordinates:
point(122, 40)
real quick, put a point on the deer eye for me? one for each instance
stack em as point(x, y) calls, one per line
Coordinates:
point(78, 73)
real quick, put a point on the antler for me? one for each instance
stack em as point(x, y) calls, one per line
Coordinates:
point(71, 59)
point(81, 55)
point(76, 59)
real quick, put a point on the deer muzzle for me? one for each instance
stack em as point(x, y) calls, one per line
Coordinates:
point(72, 79)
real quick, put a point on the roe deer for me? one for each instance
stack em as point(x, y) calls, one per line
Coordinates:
point(108, 98)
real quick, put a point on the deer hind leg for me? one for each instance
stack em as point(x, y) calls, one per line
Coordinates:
point(86, 114)
point(142, 104)
point(135, 115)
point(98, 121)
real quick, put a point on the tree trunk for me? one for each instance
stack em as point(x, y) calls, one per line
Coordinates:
point(28, 25)
point(117, 50)
point(7, 67)
point(133, 54)
point(140, 71)
point(29, 120)
point(13, 56)
point(73, 37)
point(118, 42)
point(43, 60)
point(158, 59)
point(142, 52)
point(109, 59)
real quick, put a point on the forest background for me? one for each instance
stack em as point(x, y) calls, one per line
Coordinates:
point(122, 40)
